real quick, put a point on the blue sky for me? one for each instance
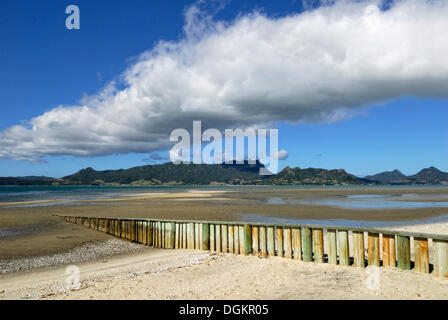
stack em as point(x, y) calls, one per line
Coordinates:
point(44, 65)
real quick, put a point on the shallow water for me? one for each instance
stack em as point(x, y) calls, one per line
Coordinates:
point(249, 217)
point(368, 201)
point(78, 193)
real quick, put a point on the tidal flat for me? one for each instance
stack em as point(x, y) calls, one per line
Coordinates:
point(28, 230)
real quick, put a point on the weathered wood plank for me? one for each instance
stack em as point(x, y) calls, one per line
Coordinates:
point(205, 236)
point(218, 237)
point(241, 239)
point(297, 243)
point(247, 236)
point(271, 241)
point(403, 252)
point(201, 235)
point(236, 239)
point(177, 238)
point(231, 237)
point(287, 245)
point(373, 249)
point(224, 237)
point(263, 242)
point(332, 246)
point(255, 240)
point(149, 233)
point(279, 241)
point(421, 255)
point(392, 252)
point(307, 244)
point(172, 234)
point(191, 236)
point(318, 243)
point(196, 236)
point(440, 257)
point(358, 249)
point(212, 238)
point(344, 249)
point(386, 250)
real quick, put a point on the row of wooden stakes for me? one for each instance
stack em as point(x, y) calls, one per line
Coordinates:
point(298, 242)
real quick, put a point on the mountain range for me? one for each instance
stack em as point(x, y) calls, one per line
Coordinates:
point(233, 174)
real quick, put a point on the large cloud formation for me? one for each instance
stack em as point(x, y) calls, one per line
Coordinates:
point(255, 70)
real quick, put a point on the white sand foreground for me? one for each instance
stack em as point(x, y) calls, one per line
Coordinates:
point(186, 274)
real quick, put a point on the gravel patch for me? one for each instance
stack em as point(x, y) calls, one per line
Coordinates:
point(86, 252)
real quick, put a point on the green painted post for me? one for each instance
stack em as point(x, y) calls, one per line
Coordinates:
point(307, 245)
point(247, 239)
point(403, 252)
point(205, 236)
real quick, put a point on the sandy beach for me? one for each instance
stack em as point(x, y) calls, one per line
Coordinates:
point(33, 260)
point(192, 275)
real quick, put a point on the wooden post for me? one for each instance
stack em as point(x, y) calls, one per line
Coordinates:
point(218, 237)
point(386, 250)
point(393, 252)
point(149, 233)
point(159, 234)
point(421, 255)
point(247, 239)
point(118, 228)
point(145, 232)
point(140, 232)
point(279, 241)
point(332, 247)
point(287, 242)
point(128, 229)
point(255, 240)
point(231, 237)
point(440, 257)
point(271, 241)
point(241, 239)
point(184, 236)
point(191, 236)
point(196, 236)
point(177, 238)
point(297, 243)
point(389, 256)
point(373, 249)
point(403, 252)
point(236, 240)
point(212, 238)
point(343, 246)
point(358, 249)
point(307, 245)
point(122, 229)
point(263, 242)
point(201, 235)
point(172, 234)
point(133, 231)
point(224, 234)
point(154, 234)
point(205, 236)
point(318, 237)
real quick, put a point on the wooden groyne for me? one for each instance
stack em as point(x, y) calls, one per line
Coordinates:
point(344, 246)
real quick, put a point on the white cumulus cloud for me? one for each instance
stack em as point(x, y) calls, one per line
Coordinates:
point(318, 65)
